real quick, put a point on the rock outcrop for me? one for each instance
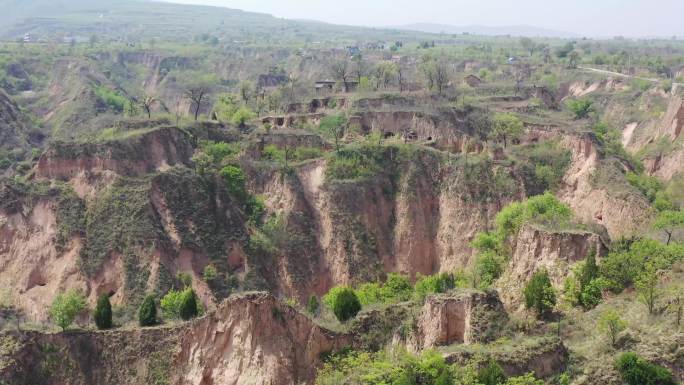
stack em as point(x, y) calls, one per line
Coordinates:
point(465, 317)
point(249, 339)
point(556, 251)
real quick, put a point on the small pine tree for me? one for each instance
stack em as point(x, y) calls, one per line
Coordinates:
point(103, 313)
point(590, 270)
point(188, 305)
point(312, 305)
point(147, 315)
point(539, 293)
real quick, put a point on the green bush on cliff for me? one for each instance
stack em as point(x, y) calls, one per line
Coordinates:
point(491, 374)
point(396, 367)
point(634, 370)
point(623, 265)
point(147, 314)
point(66, 307)
point(103, 312)
point(438, 283)
point(539, 293)
point(542, 166)
point(544, 210)
point(343, 302)
point(181, 304)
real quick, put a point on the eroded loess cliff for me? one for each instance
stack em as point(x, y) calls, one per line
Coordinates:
point(537, 248)
point(417, 214)
point(596, 189)
point(128, 238)
point(249, 339)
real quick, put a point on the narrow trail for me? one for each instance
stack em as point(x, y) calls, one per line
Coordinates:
point(618, 74)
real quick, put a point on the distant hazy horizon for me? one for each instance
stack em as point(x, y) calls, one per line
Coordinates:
point(595, 18)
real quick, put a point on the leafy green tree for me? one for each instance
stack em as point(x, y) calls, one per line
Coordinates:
point(539, 293)
point(507, 126)
point(65, 307)
point(634, 370)
point(488, 268)
point(147, 314)
point(242, 116)
point(491, 374)
point(334, 127)
point(103, 313)
point(581, 107)
point(611, 324)
point(647, 287)
point(344, 303)
point(669, 221)
point(592, 294)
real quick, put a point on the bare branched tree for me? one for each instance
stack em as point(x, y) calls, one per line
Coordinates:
point(341, 71)
point(196, 96)
point(146, 103)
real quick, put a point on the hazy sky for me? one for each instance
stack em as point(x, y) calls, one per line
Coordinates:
point(587, 17)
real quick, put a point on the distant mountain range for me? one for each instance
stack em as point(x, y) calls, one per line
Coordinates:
point(514, 30)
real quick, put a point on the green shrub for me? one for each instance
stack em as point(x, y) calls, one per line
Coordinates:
point(581, 107)
point(235, 181)
point(396, 288)
point(343, 302)
point(210, 273)
point(242, 116)
point(491, 374)
point(111, 98)
point(611, 324)
point(147, 314)
point(357, 162)
point(65, 307)
point(439, 283)
point(369, 293)
point(385, 368)
point(539, 293)
point(621, 267)
point(103, 313)
point(542, 166)
point(527, 379)
point(634, 370)
point(488, 268)
point(592, 293)
point(648, 185)
point(219, 151)
point(542, 209)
